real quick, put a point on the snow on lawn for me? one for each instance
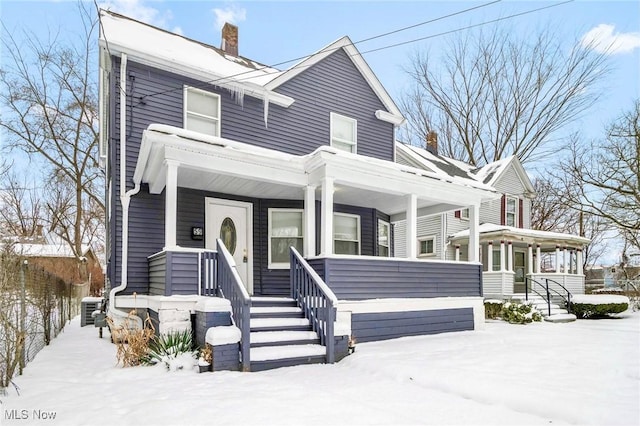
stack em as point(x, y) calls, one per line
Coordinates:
point(585, 372)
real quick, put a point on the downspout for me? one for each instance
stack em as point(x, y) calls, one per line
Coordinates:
point(125, 197)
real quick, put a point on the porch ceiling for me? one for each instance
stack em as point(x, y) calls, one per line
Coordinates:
point(225, 166)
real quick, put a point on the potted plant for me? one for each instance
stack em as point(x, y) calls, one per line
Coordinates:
point(205, 358)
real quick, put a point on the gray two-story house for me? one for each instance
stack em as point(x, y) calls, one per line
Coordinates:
point(228, 178)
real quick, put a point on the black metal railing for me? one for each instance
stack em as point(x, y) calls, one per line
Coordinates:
point(316, 300)
point(229, 286)
point(548, 292)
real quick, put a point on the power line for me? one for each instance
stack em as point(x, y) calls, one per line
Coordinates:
point(233, 76)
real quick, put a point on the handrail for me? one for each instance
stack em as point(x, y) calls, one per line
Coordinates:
point(316, 299)
point(567, 299)
point(548, 291)
point(229, 286)
point(526, 292)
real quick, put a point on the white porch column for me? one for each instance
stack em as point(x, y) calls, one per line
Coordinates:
point(530, 259)
point(579, 262)
point(412, 226)
point(309, 221)
point(572, 262)
point(565, 260)
point(510, 256)
point(490, 256)
point(457, 252)
point(171, 203)
point(502, 259)
point(326, 221)
point(538, 258)
point(474, 236)
point(557, 259)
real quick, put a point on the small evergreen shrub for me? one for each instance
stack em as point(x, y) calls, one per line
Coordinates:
point(492, 308)
point(172, 349)
point(589, 310)
point(516, 313)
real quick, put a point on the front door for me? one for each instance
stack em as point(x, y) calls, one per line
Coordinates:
point(231, 221)
point(519, 267)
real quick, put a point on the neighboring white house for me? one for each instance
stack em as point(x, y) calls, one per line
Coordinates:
point(511, 252)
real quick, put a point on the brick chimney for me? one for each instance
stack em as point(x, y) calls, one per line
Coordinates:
point(432, 142)
point(230, 39)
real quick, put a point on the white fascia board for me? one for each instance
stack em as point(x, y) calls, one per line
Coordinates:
point(392, 180)
point(357, 59)
point(396, 120)
point(206, 76)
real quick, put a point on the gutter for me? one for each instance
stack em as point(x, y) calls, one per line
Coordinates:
point(125, 198)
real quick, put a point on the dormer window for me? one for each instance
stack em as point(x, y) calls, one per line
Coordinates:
point(201, 111)
point(343, 133)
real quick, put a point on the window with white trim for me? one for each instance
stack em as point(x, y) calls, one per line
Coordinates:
point(464, 214)
point(286, 228)
point(384, 238)
point(511, 211)
point(344, 133)
point(346, 233)
point(201, 111)
point(427, 246)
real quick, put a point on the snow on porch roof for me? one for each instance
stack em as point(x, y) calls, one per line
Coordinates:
point(120, 33)
point(531, 234)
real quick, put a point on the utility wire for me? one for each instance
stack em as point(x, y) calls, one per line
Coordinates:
point(233, 76)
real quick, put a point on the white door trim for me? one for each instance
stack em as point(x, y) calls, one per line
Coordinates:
point(210, 202)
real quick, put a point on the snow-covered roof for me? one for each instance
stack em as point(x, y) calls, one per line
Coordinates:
point(489, 229)
point(487, 175)
point(119, 33)
point(47, 250)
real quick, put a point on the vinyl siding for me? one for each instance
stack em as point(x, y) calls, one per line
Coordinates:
point(390, 325)
point(427, 226)
point(155, 96)
point(366, 278)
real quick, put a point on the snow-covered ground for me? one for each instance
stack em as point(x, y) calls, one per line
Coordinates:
point(585, 372)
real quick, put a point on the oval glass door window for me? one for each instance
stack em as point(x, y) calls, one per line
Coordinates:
point(228, 234)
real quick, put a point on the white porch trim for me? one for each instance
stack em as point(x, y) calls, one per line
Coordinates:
point(171, 203)
point(309, 221)
point(326, 220)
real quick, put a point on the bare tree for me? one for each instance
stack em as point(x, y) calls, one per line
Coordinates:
point(48, 93)
point(607, 176)
point(551, 210)
point(496, 94)
point(21, 209)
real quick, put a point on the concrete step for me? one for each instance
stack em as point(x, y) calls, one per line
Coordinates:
point(554, 311)
point(544, 306)
point(560, 318)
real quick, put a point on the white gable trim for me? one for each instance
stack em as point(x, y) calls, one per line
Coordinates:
point(529, 190)
point(347, 45)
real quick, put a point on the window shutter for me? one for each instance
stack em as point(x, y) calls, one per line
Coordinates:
point(520, 214)
point(503, 210)
point(457, 214)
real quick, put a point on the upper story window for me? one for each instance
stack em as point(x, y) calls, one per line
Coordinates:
point(384, 238)
point(201, 111)
point(344, 133)
point(346, 233)
point(285, 230)
point(511, 211)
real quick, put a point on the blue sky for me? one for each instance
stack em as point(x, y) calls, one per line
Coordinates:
point(272, 32)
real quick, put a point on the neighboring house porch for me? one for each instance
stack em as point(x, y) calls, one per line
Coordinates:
point(515, 260)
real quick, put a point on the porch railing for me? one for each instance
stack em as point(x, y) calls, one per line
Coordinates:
point(316, 300)
point(529, 284)
point(208, 273)
point(230, 287)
